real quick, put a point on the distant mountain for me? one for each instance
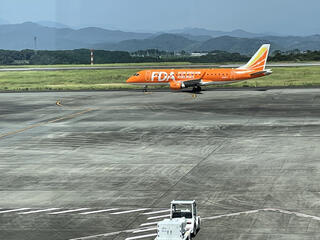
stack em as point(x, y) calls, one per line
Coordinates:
point(173, 42)
point(52, 24)
point(243, 34)
point(21, 36)
point(291, 42)
point(214, 34)
point(247, 46)
point(166, 42)
point(92, 35)
point(232, 44)
point(60, 37)
point(200, 38)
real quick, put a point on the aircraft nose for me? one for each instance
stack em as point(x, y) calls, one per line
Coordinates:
point(131, 80)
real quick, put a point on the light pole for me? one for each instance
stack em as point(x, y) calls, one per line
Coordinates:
point(35, 43)
point(92, 57)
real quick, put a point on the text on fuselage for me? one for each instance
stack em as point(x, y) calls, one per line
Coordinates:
point(166, 77)
point(162, 76)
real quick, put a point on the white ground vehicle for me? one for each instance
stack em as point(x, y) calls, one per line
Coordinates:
point(173, 229)
point(183, 223)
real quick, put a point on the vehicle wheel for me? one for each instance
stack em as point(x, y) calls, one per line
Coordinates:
point(199, 225)
point(194, 233)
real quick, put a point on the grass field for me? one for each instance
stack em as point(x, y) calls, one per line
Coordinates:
point(115, 79)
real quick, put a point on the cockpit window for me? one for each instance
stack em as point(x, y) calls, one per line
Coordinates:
point(136, 74)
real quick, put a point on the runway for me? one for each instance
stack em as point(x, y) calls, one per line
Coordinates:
point(37, 69)
point(105, 165)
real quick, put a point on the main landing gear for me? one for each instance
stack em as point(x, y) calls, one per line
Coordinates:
point(196, 89)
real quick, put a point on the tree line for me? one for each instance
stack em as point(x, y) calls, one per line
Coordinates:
point(82, 56)
point(295, 55)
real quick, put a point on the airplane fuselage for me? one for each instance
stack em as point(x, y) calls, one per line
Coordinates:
point(204, 76)
point(195, 78)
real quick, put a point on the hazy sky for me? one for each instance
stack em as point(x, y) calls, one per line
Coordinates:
point(280, 16)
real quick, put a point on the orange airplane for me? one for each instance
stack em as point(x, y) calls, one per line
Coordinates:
point(195, 78)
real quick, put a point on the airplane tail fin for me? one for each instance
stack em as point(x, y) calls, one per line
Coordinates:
point(259, 60)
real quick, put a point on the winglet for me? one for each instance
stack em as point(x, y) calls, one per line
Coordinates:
point(259, 60)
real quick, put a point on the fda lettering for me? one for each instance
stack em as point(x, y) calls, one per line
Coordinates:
point(162, 76)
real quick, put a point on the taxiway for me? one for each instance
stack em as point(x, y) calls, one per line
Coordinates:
point(105, 165)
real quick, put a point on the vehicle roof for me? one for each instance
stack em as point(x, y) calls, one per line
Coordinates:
point(183, 202)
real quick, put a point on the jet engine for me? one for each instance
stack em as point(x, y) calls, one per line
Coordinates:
point(174, 85)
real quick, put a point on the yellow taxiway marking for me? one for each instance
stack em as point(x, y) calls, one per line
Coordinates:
point(44, 123)
point(58, 103)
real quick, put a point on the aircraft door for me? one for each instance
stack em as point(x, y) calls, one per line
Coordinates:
point(232, 75)
point(148, 76)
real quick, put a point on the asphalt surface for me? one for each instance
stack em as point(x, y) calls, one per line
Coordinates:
point(31, 69)
point(105, 165)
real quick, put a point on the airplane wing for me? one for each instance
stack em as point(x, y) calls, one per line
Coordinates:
point(184, 84)
point(191, 83)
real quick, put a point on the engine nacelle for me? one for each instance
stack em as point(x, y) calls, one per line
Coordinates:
point(174, 85)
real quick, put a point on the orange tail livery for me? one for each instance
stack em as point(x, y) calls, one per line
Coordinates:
point(195, 78)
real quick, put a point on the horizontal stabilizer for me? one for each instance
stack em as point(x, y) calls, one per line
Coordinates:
point(266, 72)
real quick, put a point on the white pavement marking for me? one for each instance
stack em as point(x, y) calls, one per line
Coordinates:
point(148, 224)
point(156, 217)
point(100, 211)
point(98, 235)
point(231, 214)
point(206, 218)
point(130, 211)
point(39, 211)
point(264, 210)
point(69, 211)
point(106, 234)
point(145, 230)
point(143, 236)
point(293, 213)
point(161, 211)
point(15, 210)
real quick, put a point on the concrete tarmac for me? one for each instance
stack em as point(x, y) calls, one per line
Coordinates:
point(105, 165)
